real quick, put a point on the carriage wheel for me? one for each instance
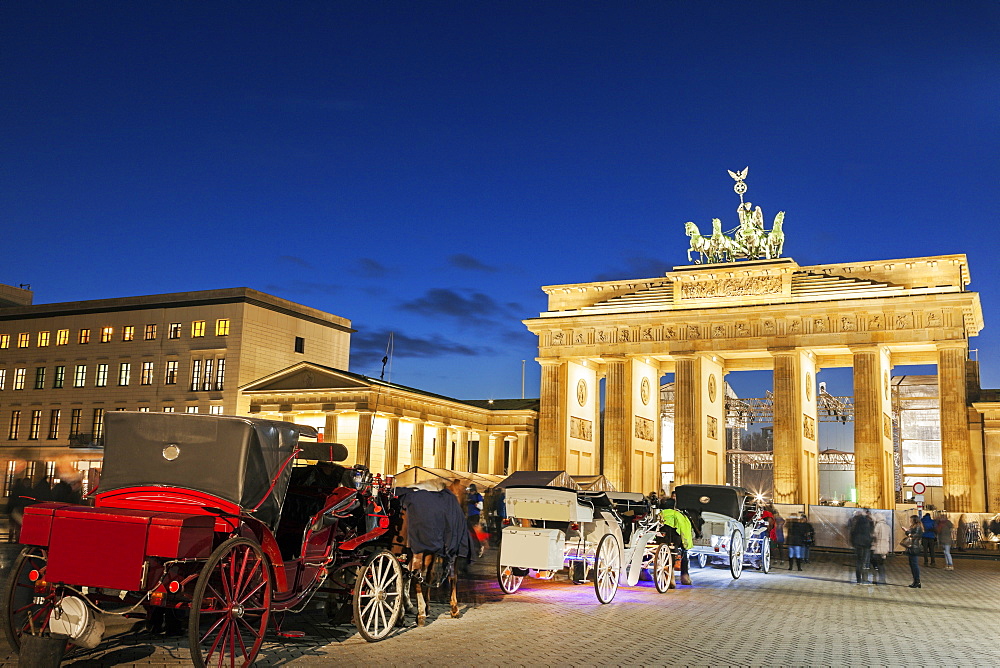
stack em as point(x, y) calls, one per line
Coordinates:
point(378, 596)
point(231, 605)
point(607, 567)
point(21, 611)
point(509, 582)
point(765, 555)
point(702, 560)
point(736, 554)
point(663, 568)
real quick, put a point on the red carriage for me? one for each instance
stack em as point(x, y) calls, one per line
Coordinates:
point(210, 517)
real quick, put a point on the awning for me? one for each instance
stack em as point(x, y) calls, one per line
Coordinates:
point(593, 483)
point(540, 479)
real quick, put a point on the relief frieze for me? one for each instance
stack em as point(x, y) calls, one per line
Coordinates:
point(809, 427)
point(581, 429)
point(731, 287)
point(644, 429)
point(713, 427)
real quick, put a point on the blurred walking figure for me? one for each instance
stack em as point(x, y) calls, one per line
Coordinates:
point(914, 534)
point(944, 530)
point(881, 546)
point(929, 537)
point(861, 530)
point(795, 539)
point(809, 536)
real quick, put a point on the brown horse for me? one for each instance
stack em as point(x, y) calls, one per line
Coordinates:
point(434, 530)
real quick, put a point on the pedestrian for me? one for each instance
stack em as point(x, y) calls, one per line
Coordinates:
point(928, 537)
point(679, 533)
point(779, 532)
point(881, 547)
point(911, 543)
point(795, 536)
point(41, 491)
point(809, 536)
point(861, 531)
point(944, 531)
point(474, 512)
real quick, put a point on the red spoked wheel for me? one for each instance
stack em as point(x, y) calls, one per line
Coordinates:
point(24, 609)
point(231, 606)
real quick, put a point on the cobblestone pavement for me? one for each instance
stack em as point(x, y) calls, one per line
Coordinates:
point(815, 617)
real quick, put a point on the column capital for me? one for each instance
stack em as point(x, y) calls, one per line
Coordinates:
point(548, 361)
point(951, 345)
point(867, 348)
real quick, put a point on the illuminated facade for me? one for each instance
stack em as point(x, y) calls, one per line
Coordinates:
point(700, 322)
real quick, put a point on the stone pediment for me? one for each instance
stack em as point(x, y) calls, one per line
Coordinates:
point(304, 377)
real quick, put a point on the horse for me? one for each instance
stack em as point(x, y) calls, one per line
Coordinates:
point(775, 239)
point(699, 244)
point(435, 532)
point(720, 246)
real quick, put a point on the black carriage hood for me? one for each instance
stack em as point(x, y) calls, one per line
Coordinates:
point(720, 499)
point(234, 458)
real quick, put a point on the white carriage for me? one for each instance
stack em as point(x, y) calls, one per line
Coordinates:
point(733, 531)
point(608, 538)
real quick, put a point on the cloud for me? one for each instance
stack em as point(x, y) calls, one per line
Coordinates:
point(370, 268)
point(292, 259)
point(372, 344)
point(463, 261)
point(636, 267)
point(477, 307)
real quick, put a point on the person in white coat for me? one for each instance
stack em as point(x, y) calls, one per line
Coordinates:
point(881, 546)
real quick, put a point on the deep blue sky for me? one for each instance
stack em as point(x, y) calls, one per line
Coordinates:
point(424, 167)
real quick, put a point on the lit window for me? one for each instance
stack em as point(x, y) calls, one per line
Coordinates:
point(98, 423)
point(15, 425)
point(62, 337)
point(59, 378)
point(191, 409)
point(19, 378)
point(107, 333)
point(39, 378)
point(43, 339)
point(54, 416)
point(300, 344)
point(175, 331)
point(220, 374)
point(168, 409)
point(222, 327)
point(124, 373)
point(206, 384)
point(80, 375)
point(24, 339)
point(147, 374)
point(3, 379)
point(101, 380)
point(74, 421)
point(36, 425)
point(195, 375)
point(171, 377)
point(197, 329)
point(128, 333)
point(150, 333)
point(4, 340)
point(215, 410)
point(84, 336)
point(143, 409)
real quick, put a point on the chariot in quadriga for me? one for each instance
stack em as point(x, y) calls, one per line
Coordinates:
point(608, 538)
point(733, 532)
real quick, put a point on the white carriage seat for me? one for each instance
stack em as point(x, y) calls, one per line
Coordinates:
point(551, 504)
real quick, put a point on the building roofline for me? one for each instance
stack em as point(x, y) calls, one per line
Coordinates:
point(178, 300)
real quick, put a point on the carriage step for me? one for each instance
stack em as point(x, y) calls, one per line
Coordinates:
point(291, 634)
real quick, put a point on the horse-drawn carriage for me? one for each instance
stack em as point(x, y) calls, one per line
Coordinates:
point(207, 516)
point(732, 531)
point(604, 537)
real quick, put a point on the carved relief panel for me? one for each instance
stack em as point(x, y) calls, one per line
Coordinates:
point(644, 429)
point(712, 428)
point(581, 429)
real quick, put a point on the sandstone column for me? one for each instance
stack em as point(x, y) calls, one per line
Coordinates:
point(365, 419)
point(417, 446)
point(699, 420)
point(551, 430)
point(498, 453)
point(795, 428)
point(687, 421)
point(873, 472)
point(524, 452)
point(462, 451)
point(441, 448)
point(392, 446)
point(991, 455)
point(617, 400)
point(330, 428)
point(956, 454)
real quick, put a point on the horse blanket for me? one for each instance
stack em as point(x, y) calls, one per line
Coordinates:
point(435, 523)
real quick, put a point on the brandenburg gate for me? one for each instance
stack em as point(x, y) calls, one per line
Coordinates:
point(703, 320)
